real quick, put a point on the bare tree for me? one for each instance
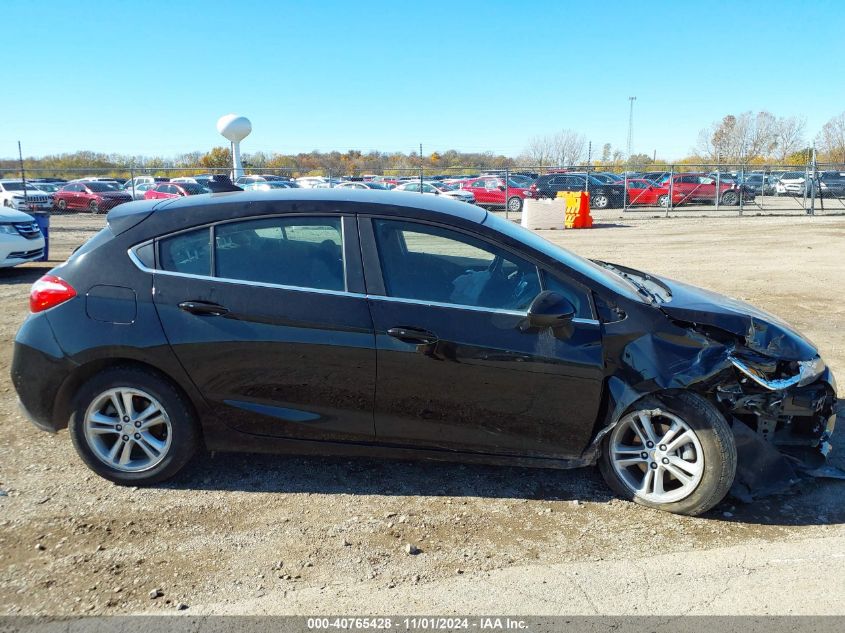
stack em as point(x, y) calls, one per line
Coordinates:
point(789, 137)
point(568, 147)
point(831, 139)
point(539, 152)
point(739, 139)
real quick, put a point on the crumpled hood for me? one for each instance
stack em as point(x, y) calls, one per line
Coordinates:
point(763, 332)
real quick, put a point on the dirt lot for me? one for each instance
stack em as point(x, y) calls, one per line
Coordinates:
point(247, 534)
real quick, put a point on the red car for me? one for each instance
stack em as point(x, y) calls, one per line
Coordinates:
point(702, 188)
point(642, 192)
point(490, 191)
point(95, 196)
point(175, 190)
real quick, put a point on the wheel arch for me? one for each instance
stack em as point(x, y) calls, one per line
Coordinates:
point(66, 395)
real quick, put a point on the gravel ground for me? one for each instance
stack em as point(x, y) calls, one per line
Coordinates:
point(264, 534)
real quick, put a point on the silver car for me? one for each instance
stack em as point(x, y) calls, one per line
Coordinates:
point(438, 189)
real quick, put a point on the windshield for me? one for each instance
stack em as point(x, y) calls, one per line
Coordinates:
point(102, 186)
point(601, 275)
point(16, 186)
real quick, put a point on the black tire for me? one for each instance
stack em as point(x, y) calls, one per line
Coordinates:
point(663, 201)
point(61, 205)
point(717, 443)
point(184, 427)
point(515, 204)
point(730, 198)
point(600, 201)
point(93, 207)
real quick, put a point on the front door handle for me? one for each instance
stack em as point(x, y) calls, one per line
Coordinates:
point(413, 335)
point(203, 308)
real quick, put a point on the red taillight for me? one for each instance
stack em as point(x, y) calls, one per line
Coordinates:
point(48, 292)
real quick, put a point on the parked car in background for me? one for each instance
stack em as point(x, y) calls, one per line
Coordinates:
point(269, 185)
point(642, 192)
point(15, 195)
point(699, 187)
point(245, 180)
point(437, 189)
point(761, 184)
point(832, 184)
point(655, 176)
point(602, 195)
point(791, 183)
point(369, 184)
point(140, 180)
point(310, 181)
point(490, 191)
point(93, 196)
point(21, 240)
point(138, 192)
point(175, 190)
point(48, 187)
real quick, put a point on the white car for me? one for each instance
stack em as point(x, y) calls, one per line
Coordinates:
point(21, 240)
point(12, 196)
point(791, 184)
point(140, 189)
point(438, 189)
point(310, 181)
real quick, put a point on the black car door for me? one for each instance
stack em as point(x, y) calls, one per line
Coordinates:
point(264, 315)
point(455, 371)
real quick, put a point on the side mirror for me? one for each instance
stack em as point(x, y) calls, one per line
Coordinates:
point(549, 310)
point(501, 187)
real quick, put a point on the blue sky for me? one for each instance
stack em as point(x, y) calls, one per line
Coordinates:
point(152, 77)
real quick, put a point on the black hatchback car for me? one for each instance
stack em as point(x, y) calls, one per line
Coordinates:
point(398, 325)
point(603, 195)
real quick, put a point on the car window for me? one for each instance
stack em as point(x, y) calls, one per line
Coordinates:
point(187, 253)
point(577, 297)
point(412, 187)
point(306, 252)
point(432, 263)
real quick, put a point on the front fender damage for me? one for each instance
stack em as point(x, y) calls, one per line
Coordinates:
point(780, 435)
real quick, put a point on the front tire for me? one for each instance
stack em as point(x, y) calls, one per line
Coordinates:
point(673, 452)
point(515, 204)
point(93, 207)
point(61, 205)
point(600, 201)
point(132, 427)
point(730, 198)
point(663, 201)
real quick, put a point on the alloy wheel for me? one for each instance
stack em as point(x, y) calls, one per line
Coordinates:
point(128, 429)
point(600, 201)
point(657, 455)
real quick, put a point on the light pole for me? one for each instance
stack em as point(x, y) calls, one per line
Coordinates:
point(631, 126)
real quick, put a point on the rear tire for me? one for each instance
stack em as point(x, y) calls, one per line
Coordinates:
point(160, 444)
point(730, 198)
point(705, 460)
point(663, 201)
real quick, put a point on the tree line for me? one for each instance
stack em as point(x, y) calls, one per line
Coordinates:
point(746, 139)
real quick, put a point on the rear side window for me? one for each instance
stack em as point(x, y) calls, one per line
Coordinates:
point(187, 253)
point(300, 251)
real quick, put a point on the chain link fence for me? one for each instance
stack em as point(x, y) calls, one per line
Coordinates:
point(659, 189)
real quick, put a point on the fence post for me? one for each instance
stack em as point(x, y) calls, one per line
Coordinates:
point(132, 179)
point(624, 191)
point(718, 183)
point(741, 188)
point(812, 181)
point(507, 192)
point(671, 188)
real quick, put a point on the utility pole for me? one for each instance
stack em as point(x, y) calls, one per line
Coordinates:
point(421, 169)
point(631, 126)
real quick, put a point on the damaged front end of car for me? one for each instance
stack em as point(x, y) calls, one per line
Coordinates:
point(767, 380)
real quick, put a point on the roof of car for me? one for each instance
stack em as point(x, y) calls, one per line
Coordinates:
point(176, 213)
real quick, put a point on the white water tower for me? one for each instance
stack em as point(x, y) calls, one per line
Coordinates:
point(235, 128)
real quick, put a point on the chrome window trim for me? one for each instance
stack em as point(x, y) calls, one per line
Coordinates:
point(343, 293)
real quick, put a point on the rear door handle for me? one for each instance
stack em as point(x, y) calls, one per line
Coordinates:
point(203, 308)
point(412, 335)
